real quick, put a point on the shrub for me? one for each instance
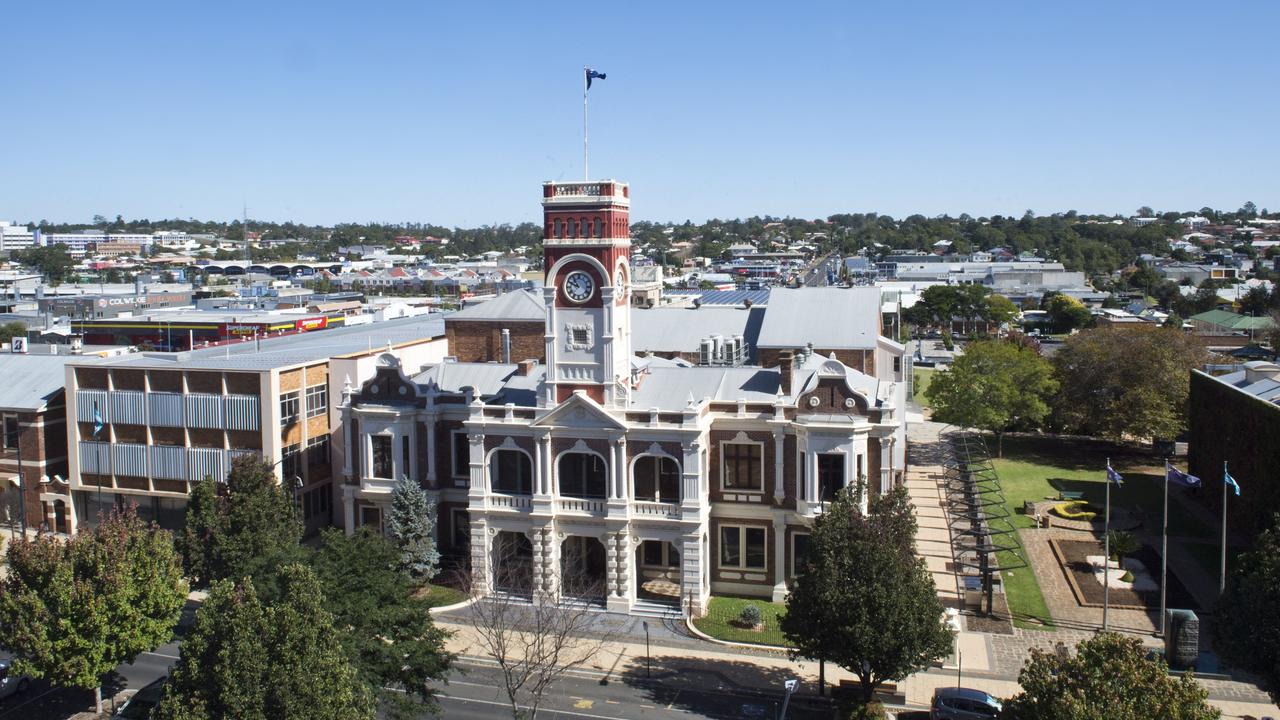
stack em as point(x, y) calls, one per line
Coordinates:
point(1126, 577)
point(1074, 510)
point(751, 616)
point(1123, 544)
point(857, 711)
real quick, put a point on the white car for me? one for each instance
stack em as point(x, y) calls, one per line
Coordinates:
point(11, 684)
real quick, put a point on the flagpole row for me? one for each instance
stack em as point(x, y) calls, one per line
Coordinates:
point(586, 172)
point(1164, 549)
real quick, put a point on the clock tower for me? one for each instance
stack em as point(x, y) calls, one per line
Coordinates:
point(586, 240)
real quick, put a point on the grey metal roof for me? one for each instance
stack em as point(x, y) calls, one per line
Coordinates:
point(726, 297)
point(487, 379)
point(678, 329)
point(289, 349)
point(669, 388)
point(518, 306)
point(830, 318)
point(31, 381)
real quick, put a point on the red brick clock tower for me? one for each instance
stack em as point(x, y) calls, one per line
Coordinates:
point(586, 249)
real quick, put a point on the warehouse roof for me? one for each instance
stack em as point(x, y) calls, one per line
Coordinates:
point(830, 318)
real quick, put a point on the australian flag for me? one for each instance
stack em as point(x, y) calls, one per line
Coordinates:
point(592, 75)
point(97, 420)
point(1177, 477)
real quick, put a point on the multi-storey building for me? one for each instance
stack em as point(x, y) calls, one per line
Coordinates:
point(657, 481)
point(33, 441)
point(143, 427)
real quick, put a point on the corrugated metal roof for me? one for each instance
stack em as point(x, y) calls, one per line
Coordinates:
point(32, 380)
point(830, 318)
point(678, 329)
point(734, 297)
point(487, 379)
point(669, 388)
point(518, 306)
point(289, 349)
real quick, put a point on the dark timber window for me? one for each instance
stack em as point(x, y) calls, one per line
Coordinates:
point(742, 547)
point(382, 464)
point(583, 475)
point(742, 466)
point(461, 455)
point(799, 552)
point(657, 479)
point(830, 475)
point(510, 471)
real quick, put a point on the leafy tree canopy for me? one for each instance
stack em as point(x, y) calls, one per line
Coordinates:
point(1247, 616)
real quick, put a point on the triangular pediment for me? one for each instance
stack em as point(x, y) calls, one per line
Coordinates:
point(579, 411)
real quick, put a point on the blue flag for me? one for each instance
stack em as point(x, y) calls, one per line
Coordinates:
point(1176, 476)
point(593, 75)
point(97, 420)
point(1114, 476)
point(1226, 478)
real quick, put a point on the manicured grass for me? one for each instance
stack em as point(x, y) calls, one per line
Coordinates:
point(722, 613)
point(441, 595)
point(1040, 468)
point(923, 376)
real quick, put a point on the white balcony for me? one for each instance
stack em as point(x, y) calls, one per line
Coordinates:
point(583, 506)
point(660, 510)
point(519, 503)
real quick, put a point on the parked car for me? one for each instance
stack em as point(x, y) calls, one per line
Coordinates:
point(143, 702)
point(11, 684)
point(963, 704)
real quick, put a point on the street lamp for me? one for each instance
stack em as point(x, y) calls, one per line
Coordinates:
point(789, 687)
point(647, 672)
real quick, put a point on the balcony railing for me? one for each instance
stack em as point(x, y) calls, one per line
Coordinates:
point(163, 462)
point(511, 502)
point(649, 509)
point(589, 506)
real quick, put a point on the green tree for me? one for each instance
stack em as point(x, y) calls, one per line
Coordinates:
point(999, 309)
point(1130, 383)
point(246, 661)
point(249, 528)
point(385, 626)
point(996, 386)
point(1065, 312)
point(411, 524)
point(863, 599)
point(1246, 619)
point(52, 261)
point(1108, 678)
point(10, 330)
point(75, 609)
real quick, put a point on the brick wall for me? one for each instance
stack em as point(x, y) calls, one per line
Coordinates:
point(481, 340)
point(864, 361)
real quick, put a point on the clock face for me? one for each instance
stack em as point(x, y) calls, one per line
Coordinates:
point(578, 286)
point(620, 280)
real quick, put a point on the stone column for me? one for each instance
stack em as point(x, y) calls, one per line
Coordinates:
point(481, 543)
point(779, 556)
point(693, 567)
point(546, 585)
point(431, 442)
point(886, 464)
point(478, 491)
point(779, 488)
point(691, 475)
point(348, 510)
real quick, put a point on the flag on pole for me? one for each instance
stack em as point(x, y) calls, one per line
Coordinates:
point(1114, 476)
point(97, 420)
point(592, 75)
point(1226, 478)
point(1177, 477)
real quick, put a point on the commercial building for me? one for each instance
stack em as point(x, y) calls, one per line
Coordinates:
point(15, 237)
point(145, 426)
point(640, 484)
point(33, 441)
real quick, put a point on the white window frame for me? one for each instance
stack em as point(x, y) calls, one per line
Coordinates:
point(286, 420)
point(742, 548)
point(391, 450)
point(741, 439)
point(322, 388)
point(794, 535)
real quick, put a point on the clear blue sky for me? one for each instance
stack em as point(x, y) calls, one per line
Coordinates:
point(454, 112)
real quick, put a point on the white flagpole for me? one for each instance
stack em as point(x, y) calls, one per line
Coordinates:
point(586, 174)
point(1164, 547)
point(1106, 552)
point(1222, 576)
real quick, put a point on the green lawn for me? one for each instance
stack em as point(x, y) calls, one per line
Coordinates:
point(1040, 468)
point(723, 611)
point(441, 595)
point(923, 376)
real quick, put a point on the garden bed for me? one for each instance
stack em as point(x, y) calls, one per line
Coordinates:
point(1072, 554)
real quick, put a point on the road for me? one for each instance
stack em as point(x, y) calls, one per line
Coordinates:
point(816, 274)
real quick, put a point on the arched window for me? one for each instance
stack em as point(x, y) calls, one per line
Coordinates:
point(557, 228)
point(574, 232)
point(583, 475)
point(510, 471)
point(599, 227)
point(656, 479)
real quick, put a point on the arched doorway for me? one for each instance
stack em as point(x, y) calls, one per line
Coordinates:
point(513, 563)
point(60, 522)
point(658, 572)
point(582, 568)
point(583, 475)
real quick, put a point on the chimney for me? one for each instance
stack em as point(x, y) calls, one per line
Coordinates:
point(506, 345)
point(525, 367)
point(786, 370)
